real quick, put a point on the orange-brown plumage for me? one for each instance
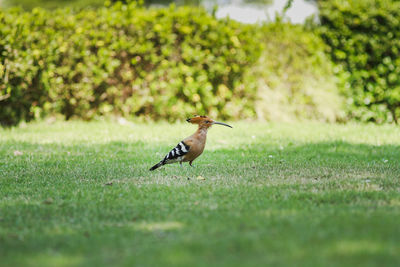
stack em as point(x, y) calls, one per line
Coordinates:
point(191, 147)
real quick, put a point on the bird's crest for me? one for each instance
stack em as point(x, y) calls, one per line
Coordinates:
point(205, 121)
point(197, 119)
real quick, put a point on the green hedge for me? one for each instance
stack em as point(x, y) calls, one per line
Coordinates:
point(125, 60)
point(51, 4)
point(296, 78)
point(364, 38)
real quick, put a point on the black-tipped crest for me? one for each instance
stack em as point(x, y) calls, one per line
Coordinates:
point(205, 121)
point(196, 118)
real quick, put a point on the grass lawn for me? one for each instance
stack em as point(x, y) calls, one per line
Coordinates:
point(80, 194)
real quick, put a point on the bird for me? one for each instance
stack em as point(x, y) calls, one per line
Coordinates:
point(191, 147)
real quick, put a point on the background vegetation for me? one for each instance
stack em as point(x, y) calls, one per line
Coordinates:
point(166, 63)
point(52, 4)
point(127, 60)
point(364, 38)
point(295, 76)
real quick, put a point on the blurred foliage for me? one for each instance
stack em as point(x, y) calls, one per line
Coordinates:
point(52, 4)
point(296, 77)
point(163, 2)
point(167, 63)
point(125, 60)
point(364, 38)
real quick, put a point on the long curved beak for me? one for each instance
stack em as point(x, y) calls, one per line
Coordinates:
point(221, 123)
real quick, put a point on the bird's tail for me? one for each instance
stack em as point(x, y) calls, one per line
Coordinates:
point(158, 165)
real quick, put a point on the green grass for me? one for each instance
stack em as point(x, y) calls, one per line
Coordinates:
point(295, 194)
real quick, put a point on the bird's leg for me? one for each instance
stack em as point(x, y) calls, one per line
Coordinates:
point(180, 162)
point(190, 163)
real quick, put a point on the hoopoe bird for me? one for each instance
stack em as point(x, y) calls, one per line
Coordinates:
point(191, 147)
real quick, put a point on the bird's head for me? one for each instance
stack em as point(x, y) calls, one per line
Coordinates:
point(205, 122)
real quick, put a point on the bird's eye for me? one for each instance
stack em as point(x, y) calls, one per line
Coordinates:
point(208, 121)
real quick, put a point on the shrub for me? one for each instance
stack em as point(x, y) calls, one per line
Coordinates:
point(50, 4)
point(295, 76)
point(364, 38)
point(126, 60)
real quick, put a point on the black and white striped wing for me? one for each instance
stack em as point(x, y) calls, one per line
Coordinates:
point(176, 154)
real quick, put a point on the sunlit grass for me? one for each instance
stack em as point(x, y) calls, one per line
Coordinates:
point(304, 194)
